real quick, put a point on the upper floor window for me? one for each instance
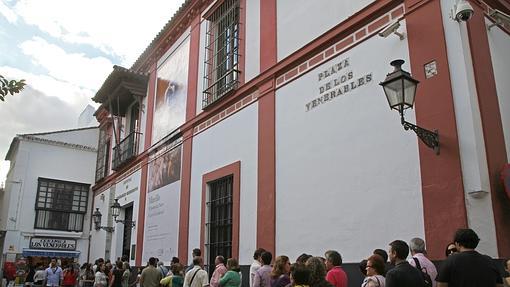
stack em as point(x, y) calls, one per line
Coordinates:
point(222, 52)
point(103, 155)
point(60, 205)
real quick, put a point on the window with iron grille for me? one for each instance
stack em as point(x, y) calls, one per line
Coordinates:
point(219, 220)
point(60, 205)
point(222, 52)
point(103, 155)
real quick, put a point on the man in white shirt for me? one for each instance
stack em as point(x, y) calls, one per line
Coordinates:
point(256, 264)
point(417, 248)
point(53, 274)
point(197, 276)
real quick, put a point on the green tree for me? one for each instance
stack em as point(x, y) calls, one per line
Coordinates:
point(10, 87)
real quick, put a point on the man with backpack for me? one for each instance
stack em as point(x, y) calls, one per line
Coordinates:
point(420, 261)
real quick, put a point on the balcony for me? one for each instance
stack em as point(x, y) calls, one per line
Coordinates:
point(125, 151)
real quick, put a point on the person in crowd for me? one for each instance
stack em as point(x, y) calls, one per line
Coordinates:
point(126, 274)
point(117, 273)
point(87, 276)
point(100, 278)
point(40, 274)
point(374, 270)
point(317, 272)
point(162, 268)
point(233, 276)
point(450, 249)
point(53, 274)
point(195, 253)
point(176, 279)
point(196, 277)
point(299, 275)
point(363, 267)
point(219, 271)
point(384, 255)
point(69, 276)
point(403, 274)
point(302, 258)
point(281, 271)
point(96, 264)
point(29, 279)
point(150, 275)
point(417, 248)
point(256, 264)
point(468, 267)
point(336, 275)
point(263, 275)
point(506, 274)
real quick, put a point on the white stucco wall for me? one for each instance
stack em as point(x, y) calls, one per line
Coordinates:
point(475, 174)
point(234, 139)
point(34, 160)
point(82, 136)
point(347, 174)
point(301, 21)
point(252, 42)
point(499, 43)
point(97, 250)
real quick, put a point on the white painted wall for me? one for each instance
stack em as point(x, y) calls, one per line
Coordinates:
point(84, 137)
point(347, 174)
point(475, 174)
point(34, 160)
point(499, 43)
point(97, 250)
point(301, 21)
point(234, 139)
point(252, 42)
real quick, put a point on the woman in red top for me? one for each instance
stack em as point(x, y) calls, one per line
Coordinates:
point(70, 276)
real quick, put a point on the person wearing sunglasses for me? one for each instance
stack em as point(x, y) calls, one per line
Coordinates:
point(450, 249)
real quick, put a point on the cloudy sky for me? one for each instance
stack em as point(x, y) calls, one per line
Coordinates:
point(65, 50)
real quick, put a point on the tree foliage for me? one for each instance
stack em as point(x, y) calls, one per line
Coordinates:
point(10, 87)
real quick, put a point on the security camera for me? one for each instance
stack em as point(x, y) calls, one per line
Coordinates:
point(392, 28)
point(500, 17)
point(462, 11)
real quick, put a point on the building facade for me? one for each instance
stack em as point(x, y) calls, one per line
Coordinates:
point(45, 209)
point(249, 123)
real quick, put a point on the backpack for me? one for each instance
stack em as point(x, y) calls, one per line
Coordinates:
point(427, 281)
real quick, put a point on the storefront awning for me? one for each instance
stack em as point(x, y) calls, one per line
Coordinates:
point(50, 253)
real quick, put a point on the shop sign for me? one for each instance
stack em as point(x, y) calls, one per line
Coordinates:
point(52, 243)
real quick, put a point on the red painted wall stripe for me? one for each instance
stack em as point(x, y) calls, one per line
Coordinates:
point(441, 176)
point(266, 182)
point(491, 125)
point(140, 224)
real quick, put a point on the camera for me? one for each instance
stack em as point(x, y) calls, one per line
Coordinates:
point(462, 11)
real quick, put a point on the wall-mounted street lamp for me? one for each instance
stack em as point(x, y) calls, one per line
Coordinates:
point(400, 90)
point(96, 216)
point(116, 212)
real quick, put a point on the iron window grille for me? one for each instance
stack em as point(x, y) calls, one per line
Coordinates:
point(60, 205)
point(222, 52)
point(219, 220)
point(103, 155)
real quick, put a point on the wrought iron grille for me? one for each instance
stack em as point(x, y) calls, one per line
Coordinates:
point(60, 205)
point(103, 155)
point(126, 150)
point(219, 220)
point(222, 52)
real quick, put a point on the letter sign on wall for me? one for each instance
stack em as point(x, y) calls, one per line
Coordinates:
point(52, 243)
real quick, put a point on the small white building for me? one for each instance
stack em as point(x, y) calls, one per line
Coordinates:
point(46, 203)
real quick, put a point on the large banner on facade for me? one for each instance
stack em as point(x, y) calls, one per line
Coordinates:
point(171, 92)
point(163, 205)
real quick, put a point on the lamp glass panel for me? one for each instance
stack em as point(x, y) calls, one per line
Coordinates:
point(409, 92)
point(115, 210)
point(97, 218)
point(393, 91)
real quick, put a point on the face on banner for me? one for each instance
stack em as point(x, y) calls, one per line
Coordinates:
point(171, 92)
point(165, 169)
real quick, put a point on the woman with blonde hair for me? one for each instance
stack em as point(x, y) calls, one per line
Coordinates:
point(281, 270)
point(233, 276)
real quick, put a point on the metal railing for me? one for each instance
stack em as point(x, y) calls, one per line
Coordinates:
point(126, 150)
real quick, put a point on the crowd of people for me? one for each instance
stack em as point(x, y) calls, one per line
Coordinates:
point(463, 266)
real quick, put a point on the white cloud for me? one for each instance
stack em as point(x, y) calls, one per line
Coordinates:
point(7, 13)
point(72, 94)
point(123, 28)
point(77, 69)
